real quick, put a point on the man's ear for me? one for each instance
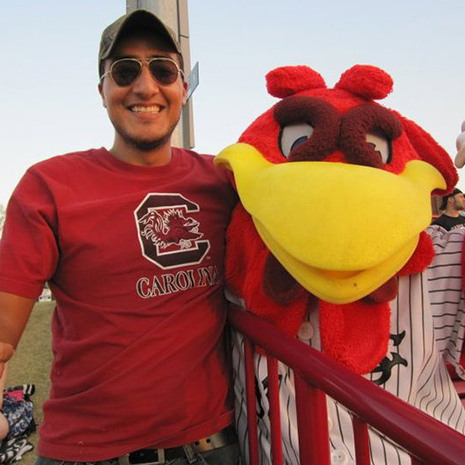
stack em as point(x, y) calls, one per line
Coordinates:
point(100, 91)
point(184, 95)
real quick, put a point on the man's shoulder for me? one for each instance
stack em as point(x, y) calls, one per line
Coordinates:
point(447, 221)
point(69, 160)
point(200, 162)
point(439, 219)
point(202, 167)
point(192, 154)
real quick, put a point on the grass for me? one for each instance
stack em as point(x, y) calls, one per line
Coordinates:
point(31, 364)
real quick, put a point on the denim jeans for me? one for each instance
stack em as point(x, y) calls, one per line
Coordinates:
point(227, 455)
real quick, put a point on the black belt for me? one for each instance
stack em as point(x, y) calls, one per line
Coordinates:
point(154, 456)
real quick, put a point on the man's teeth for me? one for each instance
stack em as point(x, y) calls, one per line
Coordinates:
point(140, 109)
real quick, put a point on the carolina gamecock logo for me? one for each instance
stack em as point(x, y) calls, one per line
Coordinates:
point(170, 227)
point(168, 234)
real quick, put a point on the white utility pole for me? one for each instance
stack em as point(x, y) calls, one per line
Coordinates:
point(174, 14)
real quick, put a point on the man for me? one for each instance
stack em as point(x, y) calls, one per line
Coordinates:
point(131, 241)
point(452, 205)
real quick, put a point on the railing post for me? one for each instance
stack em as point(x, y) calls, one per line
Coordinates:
point(361, 441)
point(275, 417)
point(251, 402)
point(312, 419)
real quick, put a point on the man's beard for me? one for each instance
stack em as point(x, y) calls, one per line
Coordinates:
point(146, 145)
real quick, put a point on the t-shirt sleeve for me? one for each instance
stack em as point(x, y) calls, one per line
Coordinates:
point(28, 247)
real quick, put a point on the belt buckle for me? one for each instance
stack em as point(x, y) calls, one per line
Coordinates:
point(203, 445)
point(219, 439)
point(124, 459)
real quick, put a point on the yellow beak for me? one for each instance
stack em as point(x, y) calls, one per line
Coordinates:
point(340, 230)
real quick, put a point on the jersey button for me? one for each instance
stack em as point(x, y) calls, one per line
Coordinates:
point(339, 457)
point(306, 330)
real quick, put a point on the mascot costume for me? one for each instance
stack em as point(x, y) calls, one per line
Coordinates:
point(329, 244)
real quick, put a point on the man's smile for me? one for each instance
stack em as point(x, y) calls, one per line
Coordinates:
point(145, 108)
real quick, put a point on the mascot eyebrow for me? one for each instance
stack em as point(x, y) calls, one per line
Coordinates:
point(359, 121)
point(320, 115)
point(332, 131)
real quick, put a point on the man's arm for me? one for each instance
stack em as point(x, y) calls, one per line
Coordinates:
point(14, 313)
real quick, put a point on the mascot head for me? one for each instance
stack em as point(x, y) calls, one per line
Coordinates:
point(338, 188)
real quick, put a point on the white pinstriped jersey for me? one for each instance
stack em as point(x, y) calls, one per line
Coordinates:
point(427, 321)
point(445, 290)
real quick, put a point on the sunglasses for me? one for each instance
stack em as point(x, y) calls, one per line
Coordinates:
point(126, 70)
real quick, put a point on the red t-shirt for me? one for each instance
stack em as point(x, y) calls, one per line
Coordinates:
point(134, 257)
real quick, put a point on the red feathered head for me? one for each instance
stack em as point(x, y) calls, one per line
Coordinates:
point(342, 119)
point(337, 187)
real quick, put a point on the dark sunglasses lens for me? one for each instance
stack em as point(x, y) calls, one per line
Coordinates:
point(125, 71)
point(164, 71)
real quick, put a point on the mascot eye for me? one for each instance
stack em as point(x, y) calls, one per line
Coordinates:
point(294, 135)
point(381, 145)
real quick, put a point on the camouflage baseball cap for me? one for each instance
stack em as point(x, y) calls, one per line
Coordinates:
point(143, 19)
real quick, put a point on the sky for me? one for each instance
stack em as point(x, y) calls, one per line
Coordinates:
point(48, 83)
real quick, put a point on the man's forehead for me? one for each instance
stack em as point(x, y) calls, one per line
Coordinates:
point(143, 38)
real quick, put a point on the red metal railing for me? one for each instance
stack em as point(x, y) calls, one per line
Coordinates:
point(425, 439)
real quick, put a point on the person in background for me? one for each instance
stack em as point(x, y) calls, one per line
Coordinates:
point(452, 204)
point(131, 241)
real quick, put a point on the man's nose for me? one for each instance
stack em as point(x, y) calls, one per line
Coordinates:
point(145, 82)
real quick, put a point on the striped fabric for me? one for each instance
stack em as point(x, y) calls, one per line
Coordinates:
point(427, 321)
point(445, 290)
